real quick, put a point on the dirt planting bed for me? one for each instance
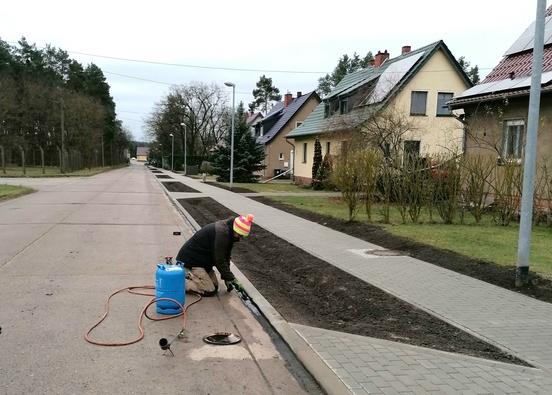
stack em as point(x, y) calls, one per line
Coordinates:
point(539, 287)
point(234, 189)
point(175, 186)
point(310, 291)
point(163, 176)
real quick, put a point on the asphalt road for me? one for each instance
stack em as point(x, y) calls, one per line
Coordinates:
point(64, 248)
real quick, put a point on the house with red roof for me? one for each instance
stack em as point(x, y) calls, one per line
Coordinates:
point(496, 110)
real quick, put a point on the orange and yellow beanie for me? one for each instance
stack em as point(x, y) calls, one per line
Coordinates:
point(242, 225)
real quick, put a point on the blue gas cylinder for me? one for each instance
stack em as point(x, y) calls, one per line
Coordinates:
point(170, 283)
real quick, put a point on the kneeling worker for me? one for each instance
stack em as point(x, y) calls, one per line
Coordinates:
point(209, 247)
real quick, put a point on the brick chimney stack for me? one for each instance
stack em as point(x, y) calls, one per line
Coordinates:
point(288, 97)
point(406, 49)
point(380, 58)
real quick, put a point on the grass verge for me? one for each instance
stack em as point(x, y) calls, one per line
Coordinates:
point(12, 191)
point(486, 241)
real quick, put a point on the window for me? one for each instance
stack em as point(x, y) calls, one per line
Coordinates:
point(418, 103)
point(326, 110)
point(343, 106)
point(411, 151)
point(297, 124)
point(344, 147)
point(442, 107)
point(304, 152)
point(512, 139)
point(281, 156)
point(328, 148)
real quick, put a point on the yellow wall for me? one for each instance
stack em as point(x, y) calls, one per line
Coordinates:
point(436, 134)
point(303, 170)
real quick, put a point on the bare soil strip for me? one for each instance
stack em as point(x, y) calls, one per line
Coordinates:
point(163, 176)
point(175, 186)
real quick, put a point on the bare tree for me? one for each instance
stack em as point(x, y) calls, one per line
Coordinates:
point(386, 129)
point(201, 107)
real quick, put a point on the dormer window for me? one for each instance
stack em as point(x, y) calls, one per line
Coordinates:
point(326, 110)
point(343, 107)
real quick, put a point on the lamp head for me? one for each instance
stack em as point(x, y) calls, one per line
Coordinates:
point(229, 84)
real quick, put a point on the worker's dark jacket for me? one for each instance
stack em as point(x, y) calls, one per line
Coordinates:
point(210, 246)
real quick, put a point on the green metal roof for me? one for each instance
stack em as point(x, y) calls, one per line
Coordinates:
point(317, 124)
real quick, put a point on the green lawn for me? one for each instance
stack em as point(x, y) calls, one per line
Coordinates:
point(50, 171)
point(12, 191)
point(486, 241)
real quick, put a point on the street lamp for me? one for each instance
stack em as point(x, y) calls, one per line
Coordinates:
point(172, 152)
point(232, 138)
point(185, 130)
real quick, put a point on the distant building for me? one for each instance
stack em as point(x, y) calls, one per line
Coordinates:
point(272, 130)
point(142, 154)
point(253, 119)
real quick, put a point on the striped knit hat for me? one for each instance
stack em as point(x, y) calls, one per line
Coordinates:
point(242, 225)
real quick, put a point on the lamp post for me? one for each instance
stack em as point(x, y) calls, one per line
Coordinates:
point(185, 131)
point(232, 138)
point(172, 152)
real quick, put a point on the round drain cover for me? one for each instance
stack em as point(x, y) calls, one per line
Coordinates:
point(222, 338)
point(384, 252)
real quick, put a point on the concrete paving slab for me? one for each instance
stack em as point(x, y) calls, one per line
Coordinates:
point(415, 369)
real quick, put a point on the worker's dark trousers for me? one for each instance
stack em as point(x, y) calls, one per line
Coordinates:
point(201, 282)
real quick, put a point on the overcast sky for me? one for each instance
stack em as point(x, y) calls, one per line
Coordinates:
point(277, 35)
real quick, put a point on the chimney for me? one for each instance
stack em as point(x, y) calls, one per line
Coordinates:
point(380, 58)
point(288, 97)
point(406, 49)
point(299, 94)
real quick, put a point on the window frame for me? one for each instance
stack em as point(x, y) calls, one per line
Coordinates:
point(305, 147)
point(519, 124)
point(343, 105)
point(281, 156)
point(447, 112)
point(419, 114)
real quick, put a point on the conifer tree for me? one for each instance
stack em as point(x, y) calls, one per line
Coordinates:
point(248, 154)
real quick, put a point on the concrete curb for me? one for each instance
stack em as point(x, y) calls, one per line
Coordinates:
point(321, 372)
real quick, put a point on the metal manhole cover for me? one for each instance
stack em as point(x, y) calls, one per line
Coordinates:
point(222, 338)
point(384, 252)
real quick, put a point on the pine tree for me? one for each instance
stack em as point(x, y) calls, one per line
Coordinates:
point(248, 154)
point(316, 162)
point(471, 72)
point(264, 93)
point(345, 65)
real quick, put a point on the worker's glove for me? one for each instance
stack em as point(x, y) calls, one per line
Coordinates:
point(233, 284)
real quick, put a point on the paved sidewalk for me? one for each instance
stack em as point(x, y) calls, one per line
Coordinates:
point(514, 322)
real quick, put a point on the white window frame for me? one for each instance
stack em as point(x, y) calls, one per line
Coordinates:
point(298, 123)
point(281, 156)
point(508, 151)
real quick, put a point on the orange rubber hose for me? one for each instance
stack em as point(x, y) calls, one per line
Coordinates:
point(143, 313)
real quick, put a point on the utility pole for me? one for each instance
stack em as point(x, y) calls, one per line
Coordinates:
point(524, 241)
point(62, 137)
